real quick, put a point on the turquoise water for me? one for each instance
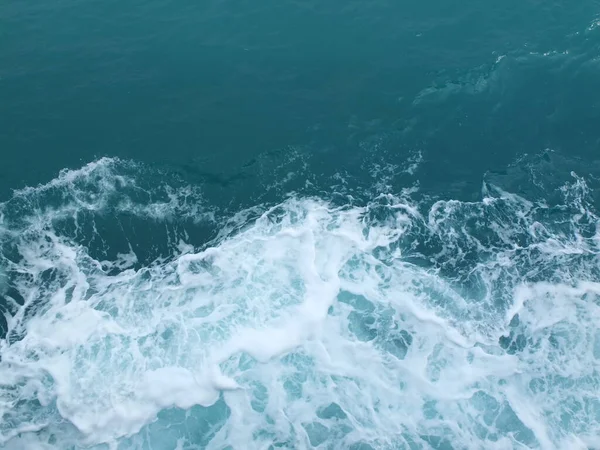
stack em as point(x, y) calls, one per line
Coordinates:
point(243, 225)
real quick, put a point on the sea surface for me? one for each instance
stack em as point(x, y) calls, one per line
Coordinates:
point(361, 225)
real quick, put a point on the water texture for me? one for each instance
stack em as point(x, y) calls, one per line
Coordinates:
point(283, 225)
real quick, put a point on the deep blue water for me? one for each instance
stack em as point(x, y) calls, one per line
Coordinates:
point(263, 225)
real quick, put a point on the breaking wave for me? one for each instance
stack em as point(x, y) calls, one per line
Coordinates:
point(138, 316)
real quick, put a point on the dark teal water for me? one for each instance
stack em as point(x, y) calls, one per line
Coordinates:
point(364, 225)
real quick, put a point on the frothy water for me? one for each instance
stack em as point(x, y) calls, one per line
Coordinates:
point(140, 317)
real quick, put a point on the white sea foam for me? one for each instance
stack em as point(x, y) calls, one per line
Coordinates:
point(389, 325)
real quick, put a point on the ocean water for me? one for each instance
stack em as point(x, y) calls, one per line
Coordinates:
point(293, 225)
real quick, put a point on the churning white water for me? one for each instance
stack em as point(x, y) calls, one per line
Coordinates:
point(388, 323)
